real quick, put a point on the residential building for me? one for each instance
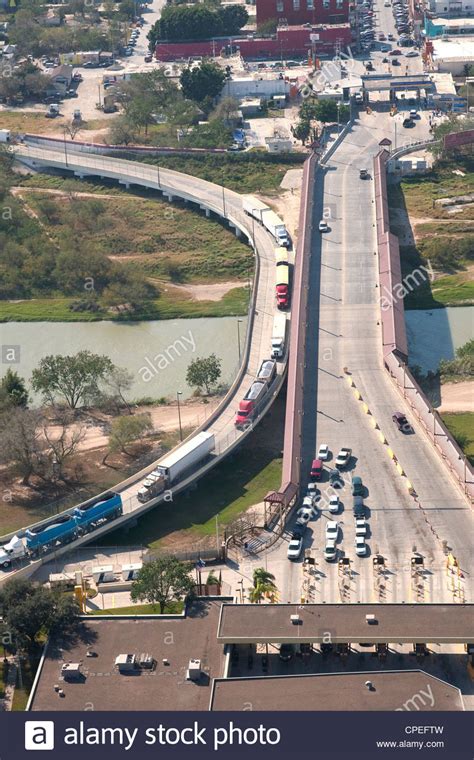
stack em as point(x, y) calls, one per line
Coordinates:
point(296, 12)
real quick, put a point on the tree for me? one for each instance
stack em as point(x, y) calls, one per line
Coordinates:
point(204, 81)
point(20, 441)
point(63, 438)
point(73, 378)
point(197, 22)
point(122, 132)
point(204, 372)
point(29, 610)
point(118, 382)
point(233, 18)
point(162, 580)
point(13, 390)
point(301, 131)
point(125, 430)
point(226, 110)
point(263, 585)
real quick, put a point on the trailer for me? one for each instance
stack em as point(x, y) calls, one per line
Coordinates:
point(275, 227)
point(5, 135)
point(254, 207)
point(267, 371)
point(281, 255)
point(171, 468)
point(61, 529)
point(105, 507)
point(278, 336)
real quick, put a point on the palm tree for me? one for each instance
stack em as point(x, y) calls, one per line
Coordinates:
point(263, 585)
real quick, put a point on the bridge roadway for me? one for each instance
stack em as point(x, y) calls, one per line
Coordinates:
point(223, 202)
point(345, 331)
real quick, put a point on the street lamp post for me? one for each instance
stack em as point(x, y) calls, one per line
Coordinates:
point(239, 322)
point(223, 201)
point(338, 108)
point(178, 394)
point(65, 146)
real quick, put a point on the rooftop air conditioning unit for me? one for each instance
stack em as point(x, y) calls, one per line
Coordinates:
point(371, 619)
point(193, 672)
point(295, 619)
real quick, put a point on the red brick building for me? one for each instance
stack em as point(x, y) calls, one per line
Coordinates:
point(290, 41)
point(297, 12)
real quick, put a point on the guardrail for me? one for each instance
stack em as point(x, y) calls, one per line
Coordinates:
point(256, 236)
point(395, 345)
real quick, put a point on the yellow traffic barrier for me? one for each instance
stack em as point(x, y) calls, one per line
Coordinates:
point(350, 381)
point(382, 437)
point(390, 453)
point(374, 423)
point(400, 468)
point(357, 394)
point(366, 409)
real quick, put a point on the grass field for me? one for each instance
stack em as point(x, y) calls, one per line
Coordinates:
point(252, 172)
point(462, 428)
point(168, 306)
point(168, 244)
point(441, 238)
point(172, 608)
point(230, 488)
point(36, 122)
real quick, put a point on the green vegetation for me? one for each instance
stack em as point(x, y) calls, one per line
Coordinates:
point(263, 586)
point(203, 81)
point(233, 486)
point(444, 242)
point(171, 608)
point(162, 580)
point(29, 666)
point(3, 677)
point(197, 22)
point(18, 83)
point(134, 255)
point(252, 172)
point(462, 428)
point(324, 111)
point(204, 372)
point(460, 368)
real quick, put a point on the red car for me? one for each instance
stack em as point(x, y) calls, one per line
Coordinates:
point(316, 469)
point(395, 52)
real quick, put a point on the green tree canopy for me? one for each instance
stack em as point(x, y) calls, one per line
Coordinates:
point(29, 610)
point(204, 372)
point(75, 379)
point(13, 390)
point(162, 580)
point(204, 81)
point(125, 430)
point(197, 22)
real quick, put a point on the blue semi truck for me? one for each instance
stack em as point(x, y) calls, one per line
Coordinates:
point(63, 529)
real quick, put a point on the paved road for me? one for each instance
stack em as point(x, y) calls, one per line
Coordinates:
point(344, 332)
point(213, 197)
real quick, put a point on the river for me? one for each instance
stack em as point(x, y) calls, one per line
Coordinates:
point(436, 334)
point(157, 353)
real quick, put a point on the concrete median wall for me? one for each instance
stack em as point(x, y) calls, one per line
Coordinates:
point(395, 345)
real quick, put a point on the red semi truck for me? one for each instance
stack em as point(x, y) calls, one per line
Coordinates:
point(283, 285)
point(250, 403)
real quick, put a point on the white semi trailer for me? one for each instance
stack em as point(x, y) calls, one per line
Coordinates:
point(175, 464)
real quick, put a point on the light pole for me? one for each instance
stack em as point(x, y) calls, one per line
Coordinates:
point(469, 81)
point(65, 146)
point(223, 201)
point(178, 394)
point(239, 322)
point(338, 107)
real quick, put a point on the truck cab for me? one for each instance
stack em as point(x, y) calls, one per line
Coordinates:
point(15, 549)
point(152, 486)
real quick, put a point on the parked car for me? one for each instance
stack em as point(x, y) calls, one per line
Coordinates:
point(323, 452)
point(363, 174)
point(396, 62)
point(408, 123)
point(148, 58)
point(358, 506)
point(330, 550)
point(334, 503)
point(312, 492)
point(357, 486)
point(395, 52)
point(323, 226)
point(343, 458)
point(335, 479)
point(412, 54)
point(304, 515)
point(316, 469)
point(361, 526)
point(295, 548)
point(332, 530)
point(360, 546)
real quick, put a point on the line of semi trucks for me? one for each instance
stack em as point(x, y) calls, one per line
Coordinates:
point(66, 527)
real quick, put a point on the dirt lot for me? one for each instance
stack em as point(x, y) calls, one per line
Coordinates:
point(457, 397)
